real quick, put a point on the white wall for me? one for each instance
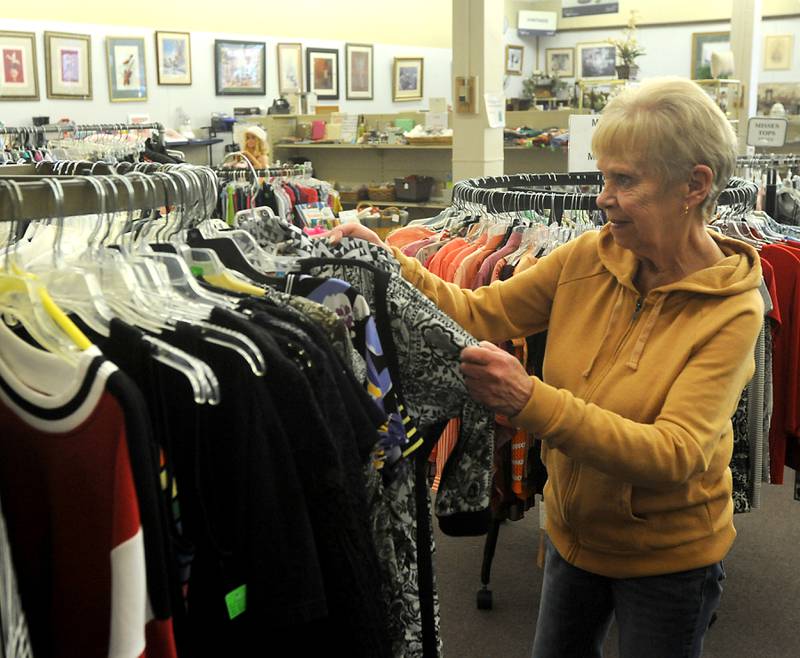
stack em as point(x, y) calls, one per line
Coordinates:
point(199, 99)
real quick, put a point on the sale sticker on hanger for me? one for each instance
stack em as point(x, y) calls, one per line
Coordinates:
point(764, 131)
point(581, 128)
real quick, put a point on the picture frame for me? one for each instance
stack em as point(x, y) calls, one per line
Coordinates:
point(560, 62)
point(240, 68)
point(407, 79)
point(514, 59)
point(127, 72)
point(359, 72)
point(778, 51)
point(68, 65)
point(703, 45)
point(322, 72)
point(596, 60)
point(174, 58)
point(19, 75)
point(290, 68)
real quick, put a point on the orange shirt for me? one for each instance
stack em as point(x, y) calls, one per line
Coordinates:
point(444, 252)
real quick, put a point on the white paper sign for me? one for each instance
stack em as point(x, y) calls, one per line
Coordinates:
point(435, 121)
point(581, 129)
point(437, 105)
point(495, 110)
point(763, 131)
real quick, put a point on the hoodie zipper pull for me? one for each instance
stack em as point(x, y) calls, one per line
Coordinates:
point(639, 304)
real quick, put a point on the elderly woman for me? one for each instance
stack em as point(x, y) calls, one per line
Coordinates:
point(652, 323)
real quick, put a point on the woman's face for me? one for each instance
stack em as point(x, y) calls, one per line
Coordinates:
point(250, 142)
point(641, 209)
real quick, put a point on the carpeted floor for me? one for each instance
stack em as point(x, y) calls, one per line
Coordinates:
point(759, 616)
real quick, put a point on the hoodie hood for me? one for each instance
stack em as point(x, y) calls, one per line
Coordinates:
point(738, 272)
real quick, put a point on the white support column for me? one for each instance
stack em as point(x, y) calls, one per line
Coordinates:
point(746, 47)
point(477, 51)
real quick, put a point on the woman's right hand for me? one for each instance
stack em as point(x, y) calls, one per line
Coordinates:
point(353, 230)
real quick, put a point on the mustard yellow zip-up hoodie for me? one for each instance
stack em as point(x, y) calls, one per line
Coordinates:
point(635, 407)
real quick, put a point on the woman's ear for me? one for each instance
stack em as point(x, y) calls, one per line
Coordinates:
point(700, 181)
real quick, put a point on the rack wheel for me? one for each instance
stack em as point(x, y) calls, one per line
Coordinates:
point(484, 599)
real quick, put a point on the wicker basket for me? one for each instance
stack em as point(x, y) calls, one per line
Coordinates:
point(350, 196)
point(381, 193)
point(430, 140)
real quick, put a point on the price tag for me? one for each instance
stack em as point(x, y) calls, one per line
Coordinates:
point(236, 601)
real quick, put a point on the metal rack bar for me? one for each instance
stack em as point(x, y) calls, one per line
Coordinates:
point(532, 192)
point(80, 197)
point(83, 127)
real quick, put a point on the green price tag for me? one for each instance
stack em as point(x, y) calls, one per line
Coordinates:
point(236, 601)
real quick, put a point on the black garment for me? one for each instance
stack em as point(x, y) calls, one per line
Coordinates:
point(125, 349)
point(325, 443)
point(244, 507)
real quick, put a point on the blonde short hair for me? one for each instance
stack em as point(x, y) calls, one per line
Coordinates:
point(669, 125)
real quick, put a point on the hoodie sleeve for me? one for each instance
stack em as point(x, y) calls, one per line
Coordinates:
point(681, 441)
point(506, 309)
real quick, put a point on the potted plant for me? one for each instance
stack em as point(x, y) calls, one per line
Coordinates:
point(628, 50)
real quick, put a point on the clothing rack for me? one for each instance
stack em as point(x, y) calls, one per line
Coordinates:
point(533, 192)
point(27, 133)
point(25, 196)
point(80, 127)
point(771, 162)
point(305, 169)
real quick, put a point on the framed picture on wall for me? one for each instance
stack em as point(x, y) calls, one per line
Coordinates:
point(359, 72)
point(514, 56)
point(596, 60)
point(407, 79)
point(704, 44)
point(68, 65)
point(19, 78)
point(127, 79)
point(174, 58)
point(560, 62)
point(290, 68)
point(322, 72)
point(240, 68)
point(778, 52)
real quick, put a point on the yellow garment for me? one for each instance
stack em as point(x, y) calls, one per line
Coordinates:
point(635, 414)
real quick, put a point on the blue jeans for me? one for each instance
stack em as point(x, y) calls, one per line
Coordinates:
point(657, 616)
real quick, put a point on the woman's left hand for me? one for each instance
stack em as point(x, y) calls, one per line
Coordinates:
point(495, 378)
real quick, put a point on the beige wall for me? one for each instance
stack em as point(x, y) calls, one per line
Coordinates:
point(652, 13)
point(407, 22)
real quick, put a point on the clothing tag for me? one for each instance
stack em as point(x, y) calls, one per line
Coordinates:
point(236, 600)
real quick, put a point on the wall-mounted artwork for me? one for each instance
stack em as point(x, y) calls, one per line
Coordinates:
point(358, 67)
point(407, 80)
point(514, 56)
point(240, 68)
point(19, 78)
point(68, 65)
point(597, 60)
point(290, 68)
point(560, 62)
point(322, 72)
point(174, 58)
point(127, 77)
point(778, 52)
point(704, 44)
